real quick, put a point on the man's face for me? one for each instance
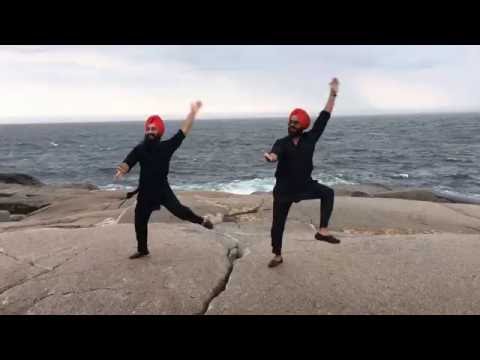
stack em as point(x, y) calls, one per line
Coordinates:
point(151, 133)
point(294, 127)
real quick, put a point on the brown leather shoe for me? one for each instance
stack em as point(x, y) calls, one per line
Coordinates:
point(274, 263)
point(328, 238)
point(138, 255)
point(207, 223)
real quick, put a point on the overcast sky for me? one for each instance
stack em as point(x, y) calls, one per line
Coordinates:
point(65, 82)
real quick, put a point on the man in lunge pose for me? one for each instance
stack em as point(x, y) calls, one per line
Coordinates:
point(154, 190)
point(294, 183)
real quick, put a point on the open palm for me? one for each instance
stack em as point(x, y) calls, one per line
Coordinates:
point(195, 106)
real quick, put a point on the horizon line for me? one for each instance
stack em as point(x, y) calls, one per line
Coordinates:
point(67, 119)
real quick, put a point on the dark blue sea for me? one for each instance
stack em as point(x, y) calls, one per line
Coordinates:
point(440, 152)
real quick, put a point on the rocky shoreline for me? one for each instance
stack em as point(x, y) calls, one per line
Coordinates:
point(64, 249)
point(22, 195)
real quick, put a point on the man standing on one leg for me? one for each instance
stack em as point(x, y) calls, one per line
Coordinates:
point(294, 154)
point(154, 190)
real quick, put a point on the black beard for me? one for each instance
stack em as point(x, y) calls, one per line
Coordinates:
point(151, 141)
point(294, 132)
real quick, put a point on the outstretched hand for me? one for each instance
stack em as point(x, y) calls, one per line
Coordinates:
point(195, 106)
point(334, 84)
point(270, 157)
point(122, 169)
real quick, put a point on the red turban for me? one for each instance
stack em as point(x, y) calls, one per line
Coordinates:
point(157, 121)
point(302, 117)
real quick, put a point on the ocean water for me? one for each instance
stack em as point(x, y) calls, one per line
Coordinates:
point(439, 152)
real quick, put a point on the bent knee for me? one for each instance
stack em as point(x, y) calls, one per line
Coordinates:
point(327, 193)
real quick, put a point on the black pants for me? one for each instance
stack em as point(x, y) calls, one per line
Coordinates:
point(146, 206)
point(282, 204)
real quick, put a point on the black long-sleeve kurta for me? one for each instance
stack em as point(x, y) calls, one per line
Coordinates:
point(295, 162)
point(154, 164)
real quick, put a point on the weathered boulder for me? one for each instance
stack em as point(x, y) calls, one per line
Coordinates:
point(21, 204)
point(4, 216)
point(21, 179)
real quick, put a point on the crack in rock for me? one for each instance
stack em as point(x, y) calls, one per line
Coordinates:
point(68, 259)
point(37, 300)
point(31, 263)
point(46, 271)
point(3, 252)
point(68, 226)
point(21, 282)
point(233, 253)
point(66, 293)
point(88, 291)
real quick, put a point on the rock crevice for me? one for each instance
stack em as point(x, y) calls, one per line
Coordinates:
point(233, 253)
point(45, 270)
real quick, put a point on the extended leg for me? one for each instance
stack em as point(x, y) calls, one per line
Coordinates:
point(326, 196)
point(171, 202)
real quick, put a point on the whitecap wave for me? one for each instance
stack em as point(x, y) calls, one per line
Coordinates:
point(331, 180)
point(114, 187)
point(247, 187)
point(241, 187)
point(53, 144)
point(401, 176)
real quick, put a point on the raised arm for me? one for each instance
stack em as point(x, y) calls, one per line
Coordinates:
point(172, 144)
point(334, 84)
point(188, 122)
point(321, 122)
